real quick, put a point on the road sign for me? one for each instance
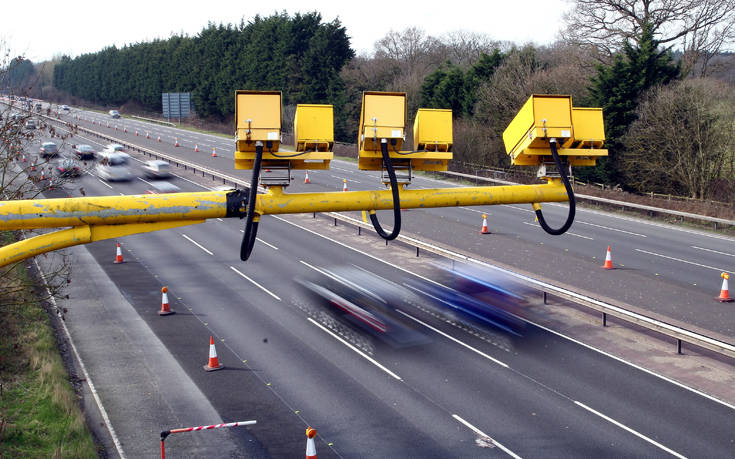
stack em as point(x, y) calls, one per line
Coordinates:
point(176, 104)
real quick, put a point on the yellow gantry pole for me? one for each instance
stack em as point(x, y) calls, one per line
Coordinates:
point(105, 217)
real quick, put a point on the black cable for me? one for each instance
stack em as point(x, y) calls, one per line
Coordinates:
point(570, 193)
point(396, 199)
point(251, 227)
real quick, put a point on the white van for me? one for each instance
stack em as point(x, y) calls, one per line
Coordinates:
point(114, 167)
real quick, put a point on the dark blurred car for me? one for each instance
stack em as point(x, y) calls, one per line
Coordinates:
point(67, 167)
point(49, 149)
point(478, 295)
point(366, 301)
point(84, 152)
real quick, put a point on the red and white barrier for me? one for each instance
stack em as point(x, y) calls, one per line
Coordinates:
point(166, 433)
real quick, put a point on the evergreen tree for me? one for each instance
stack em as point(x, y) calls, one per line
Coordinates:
point(617, 88)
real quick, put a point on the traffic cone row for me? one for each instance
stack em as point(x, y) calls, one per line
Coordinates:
point(165, 308)
point(213, 363)
point(484, 229)
point(724, 291)
point(118, 255)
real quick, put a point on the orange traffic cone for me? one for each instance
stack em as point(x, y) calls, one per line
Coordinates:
point(136, 133)
point(213, 363)
point(165, 308)
point(176, 143)
point(724, 293)
point(24, 158)
point(108, 125)
point(147, 135)
point(125, 129)
point(33, 166)
point(116, 127)
point(484, 229)
point(50, 182)
point(306, 178)
point(608, 260)
point(214, 152)
point(118, 255)
point(344, 184)
point(310, 446)
point(196, 148)
point(43, 177)
point(159, 138)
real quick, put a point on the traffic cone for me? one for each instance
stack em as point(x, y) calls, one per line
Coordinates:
point(165, 309)
point(50, 183)
point(608, 260)
point(196, 148)
point(484, 229)
point(116, 127)
point(724, 293)
point(136, 133)
point(118, 255)
point(344, 184)
point(43, 177)
point(125, 129)
point(147, 135)
point(306, 178)
point(213, 363)
point(108, 125)
point(33, 166)
point(176, 143)
point(310, 445)
point(159, 138)
point(214, 152)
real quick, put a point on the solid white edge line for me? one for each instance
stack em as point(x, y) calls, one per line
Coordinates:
point(483, 434)
point(477, 351)
point(683, 261)
point(624, 427)
point(367, 357)
point(87, 378)
point(255, 283)
point(196, 244)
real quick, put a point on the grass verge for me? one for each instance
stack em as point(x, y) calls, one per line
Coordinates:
point(40, 414)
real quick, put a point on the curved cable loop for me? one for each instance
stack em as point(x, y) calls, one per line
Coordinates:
point(251, 227)
point(570, 193)
point(396, 198)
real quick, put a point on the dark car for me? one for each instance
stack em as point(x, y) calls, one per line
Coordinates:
point(68, 168)
point(84, 152)
point(49, 149)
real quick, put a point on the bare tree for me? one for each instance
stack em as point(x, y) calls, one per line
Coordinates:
point(701, 28)
point(464, 48)
point(682, 142)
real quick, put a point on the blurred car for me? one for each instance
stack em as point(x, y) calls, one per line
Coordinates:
point(38, 106)
point(114, 113)
point(84, 152)
point(156, 169)
point(481, 296)
point(114, 167)
point(366, 301)
point(31, 124)
point(65, 108)
point(162, 187)
point(114, 147)
point(67, 167)
point(48, 150)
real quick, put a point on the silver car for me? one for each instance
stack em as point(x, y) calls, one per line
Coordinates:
point(156, 169)
point(114, 167)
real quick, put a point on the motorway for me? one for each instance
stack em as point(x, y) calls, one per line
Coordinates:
point(462, 392)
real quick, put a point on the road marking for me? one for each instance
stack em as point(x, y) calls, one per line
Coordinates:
point(611, 229)
point(269, 245)
point(466, 208)
point(483, 434)
point(105, 184)
point(624, 427)
point(684, 261)
point(196, 244)
point(369, 359)
point(518, 208)
point(453, 339)
point(569, 233)
point(255, 283)
point(342, 178)
point(713, 251)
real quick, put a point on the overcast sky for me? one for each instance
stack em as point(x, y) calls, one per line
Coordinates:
point(40, 29)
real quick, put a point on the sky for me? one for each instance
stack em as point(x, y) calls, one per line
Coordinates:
point(42, 29)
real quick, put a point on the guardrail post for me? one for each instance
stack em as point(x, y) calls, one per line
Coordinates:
point(417, 251)
point(545, 302)
point(678, 346)
point(604, 319)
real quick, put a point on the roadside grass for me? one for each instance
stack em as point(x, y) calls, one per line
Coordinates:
point(39, 410)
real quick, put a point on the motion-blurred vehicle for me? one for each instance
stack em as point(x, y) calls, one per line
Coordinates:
point(162, 187)
point(114, 113)
point(84, 152)
point(114, 147)
point(38, 106)
point(366, 301)
point(48, 150)
point(67, 167)
point(31, 124)
point(114, 167)
point(481, 296)
point(156, 169)
point(65, 108)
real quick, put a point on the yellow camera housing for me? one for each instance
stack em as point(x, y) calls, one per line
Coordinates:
point(313, 127)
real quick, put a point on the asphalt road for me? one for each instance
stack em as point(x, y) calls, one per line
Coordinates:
point(540, 396)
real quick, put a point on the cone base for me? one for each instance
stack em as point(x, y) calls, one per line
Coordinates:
point(607, 267)
point(208, 368)
point(118, 262)
point(166, 313)
point(724, 300)
point(485, 232)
